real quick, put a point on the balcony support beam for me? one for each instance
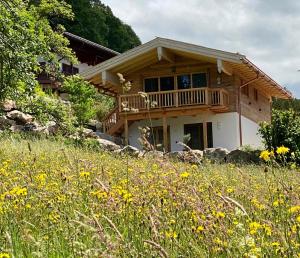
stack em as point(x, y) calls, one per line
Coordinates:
point(165, 133)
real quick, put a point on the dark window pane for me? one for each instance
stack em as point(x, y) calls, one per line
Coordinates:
point(196, 133)
point(184, 81)
point(209, 135)
point(199, 80)
point(166, 83)
point(151, 85)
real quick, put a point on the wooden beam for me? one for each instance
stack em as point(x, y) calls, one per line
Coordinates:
point(223, 67)
point(126, 130)
point(108, 77)
point(165, 133)
point(205, 135)
point(164, 54)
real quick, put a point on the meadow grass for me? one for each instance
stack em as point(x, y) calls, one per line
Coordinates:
point(61, 201)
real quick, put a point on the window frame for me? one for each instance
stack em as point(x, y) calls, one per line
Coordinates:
point(175, 80)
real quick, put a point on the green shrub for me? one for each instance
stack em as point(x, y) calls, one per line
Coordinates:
point(82, 98)
point(284, 130)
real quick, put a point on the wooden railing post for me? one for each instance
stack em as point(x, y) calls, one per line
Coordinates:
point(206, 97)
point(176, 99)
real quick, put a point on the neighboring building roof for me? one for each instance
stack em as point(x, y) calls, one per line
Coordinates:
point(147, 54)
point(86, 41)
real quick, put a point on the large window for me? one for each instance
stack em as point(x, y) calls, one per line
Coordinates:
point(151, 85)
point(199, 80)
point(156, 138)
point(166, 83)
point(184, 81)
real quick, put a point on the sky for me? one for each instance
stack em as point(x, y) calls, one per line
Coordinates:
point(266, 31)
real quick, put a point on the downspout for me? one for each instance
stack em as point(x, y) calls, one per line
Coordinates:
point(240, 106)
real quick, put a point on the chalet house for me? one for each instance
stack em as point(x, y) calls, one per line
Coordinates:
point(217, 97)
point(88, 54)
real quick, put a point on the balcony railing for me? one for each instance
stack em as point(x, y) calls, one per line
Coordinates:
point(174, 99)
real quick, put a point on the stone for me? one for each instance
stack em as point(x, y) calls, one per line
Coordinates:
point(8, 105)
point(153, 154)
point(108, 145)
point(130, 150)
point(20, 117)
point(17, 128)
point(5, 122)
point(215, 154)
point(64, 96)
point(240, 156)
point(192, 156)
point(52, 127)
point(87, 133)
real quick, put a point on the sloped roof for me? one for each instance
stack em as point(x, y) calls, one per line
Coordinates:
point(238, 62)
point(91, 43)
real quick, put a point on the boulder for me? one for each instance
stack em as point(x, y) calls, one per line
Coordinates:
point(88, 133)
point(215, 154)
point(114, 139)
point(17, 128)
point(20, 117)
point(64, 96)
point(130, 150)
point(108, 145)
point(240, 156)
point(52, 127)
point(5, 122)
point(192, 156)
point(153, 154)
point(8, 105)
point(35, 127)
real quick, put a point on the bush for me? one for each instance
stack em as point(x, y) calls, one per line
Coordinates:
point(47, 108)
point(284, 130)
point(82, 96)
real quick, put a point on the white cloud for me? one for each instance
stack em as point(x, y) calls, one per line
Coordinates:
point(266, 31)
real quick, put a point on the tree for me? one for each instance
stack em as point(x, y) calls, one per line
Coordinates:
point(96, 22)
point(26, 35)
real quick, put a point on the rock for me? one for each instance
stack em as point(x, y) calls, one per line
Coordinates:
point(94, 125)
point(240, 156)
point(17, 128)
point(5, 122)
point(130, 150)
point(153, 154)
point(8, 105)
point(88, 133)
point(52, 127)
point(216, 154)
point(108, 145)
point(20, 117)
point(114, 139)
point(193, 156)
point(35, 127)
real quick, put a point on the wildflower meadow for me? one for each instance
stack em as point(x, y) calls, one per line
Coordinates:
point(58, 200)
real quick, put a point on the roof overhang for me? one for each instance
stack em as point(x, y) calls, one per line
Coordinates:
point(104, 74)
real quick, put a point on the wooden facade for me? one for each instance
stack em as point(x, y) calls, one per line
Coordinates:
point(230, 83)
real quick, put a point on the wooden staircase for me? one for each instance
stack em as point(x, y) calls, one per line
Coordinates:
point(113, 124)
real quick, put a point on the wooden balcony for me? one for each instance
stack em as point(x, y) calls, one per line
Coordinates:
point(214, 98)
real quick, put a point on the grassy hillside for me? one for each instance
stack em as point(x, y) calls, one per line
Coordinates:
point(62, 201)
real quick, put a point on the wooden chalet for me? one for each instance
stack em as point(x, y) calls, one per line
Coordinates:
point(217, 97)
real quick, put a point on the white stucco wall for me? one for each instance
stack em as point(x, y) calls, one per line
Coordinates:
point(250, 133)
point(225, 129)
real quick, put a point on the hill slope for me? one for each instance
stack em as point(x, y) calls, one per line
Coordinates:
point(96, 22)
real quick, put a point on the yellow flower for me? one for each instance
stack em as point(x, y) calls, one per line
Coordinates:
point(282, 150)
point(266, 155)
point(294, 209)
point(84, 174)
point(229, 190)
point(200, 229)
point(184, 175)
point(298, 219)
point(220, 214)
point(4, 255)
point(253, 227)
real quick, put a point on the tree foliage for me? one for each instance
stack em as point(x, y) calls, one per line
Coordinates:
point(96, 22)
point(283, 104)
point(26, 35)
point(284, 130)
point(82, 96)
